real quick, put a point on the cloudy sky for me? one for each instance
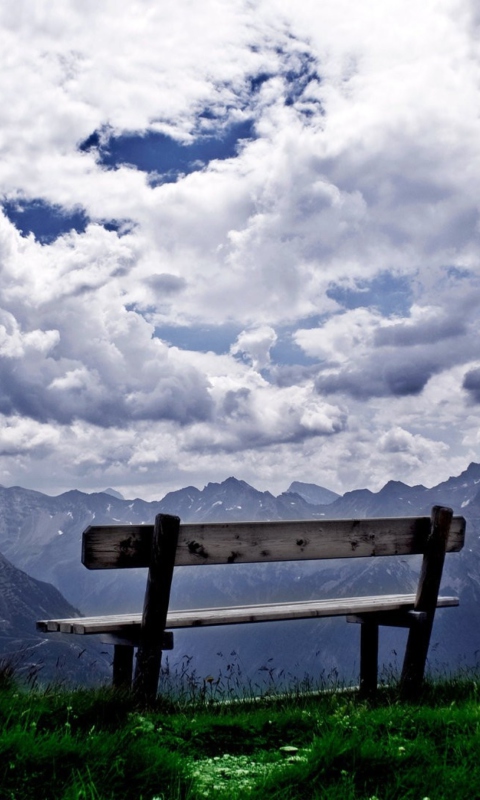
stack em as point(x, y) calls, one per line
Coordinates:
point(238, 238)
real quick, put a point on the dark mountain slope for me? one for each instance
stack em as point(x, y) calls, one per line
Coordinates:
point(23, 600)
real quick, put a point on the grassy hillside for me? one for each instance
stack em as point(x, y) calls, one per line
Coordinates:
point(96, 745)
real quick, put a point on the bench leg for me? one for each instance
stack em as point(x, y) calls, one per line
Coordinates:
point(122, 666)
point(147, 672)
point(368, 658)
point(155, 607)
point(426, 601)
point(415, 658)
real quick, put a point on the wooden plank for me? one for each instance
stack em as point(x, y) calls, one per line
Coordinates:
point(426, 601)
point(118, 546)
point(155, 609)
point(127, 624)
point(79, 625)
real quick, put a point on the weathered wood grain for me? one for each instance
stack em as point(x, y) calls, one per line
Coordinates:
point(127, 624)
point(117, 546)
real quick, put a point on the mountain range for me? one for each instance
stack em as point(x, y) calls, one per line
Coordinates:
point(40, 538)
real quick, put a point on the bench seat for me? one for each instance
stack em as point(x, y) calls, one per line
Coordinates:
point(123, 624)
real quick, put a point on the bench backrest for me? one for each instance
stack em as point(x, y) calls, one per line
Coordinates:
point(123, 546)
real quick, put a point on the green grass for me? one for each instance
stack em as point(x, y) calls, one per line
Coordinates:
point(97, 745)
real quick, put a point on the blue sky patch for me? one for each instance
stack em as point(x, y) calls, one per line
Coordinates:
point(257, 81)
point(286, 351)
point(159, 154)
point(298, 79)
point(46, 222)
point(389, 293)
point(118, 226)
point(218, 338)
point(460, 273)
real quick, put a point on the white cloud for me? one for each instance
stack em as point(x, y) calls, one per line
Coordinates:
point(366, 161)
point(411, 446)
point(19, 437)
point(14, 343)
point(342, 338)
point(254, 346)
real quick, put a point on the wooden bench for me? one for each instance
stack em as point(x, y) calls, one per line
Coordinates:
point(168, 544)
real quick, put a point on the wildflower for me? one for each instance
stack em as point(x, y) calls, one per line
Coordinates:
point(288, 750)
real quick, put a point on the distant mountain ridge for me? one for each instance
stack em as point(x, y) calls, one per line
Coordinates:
point(396, 498)
point(42, 534)
point(236, 500)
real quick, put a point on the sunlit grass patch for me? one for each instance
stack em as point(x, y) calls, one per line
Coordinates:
point(225, 774)
point(229, 775)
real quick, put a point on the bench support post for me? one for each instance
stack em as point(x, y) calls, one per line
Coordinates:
point(122, 666)
point(426, 601)
point(368, 658)
point(157, 596)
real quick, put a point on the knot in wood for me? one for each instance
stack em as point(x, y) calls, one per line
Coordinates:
point(126, 546)
point(197, 549)
point(302, 542)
